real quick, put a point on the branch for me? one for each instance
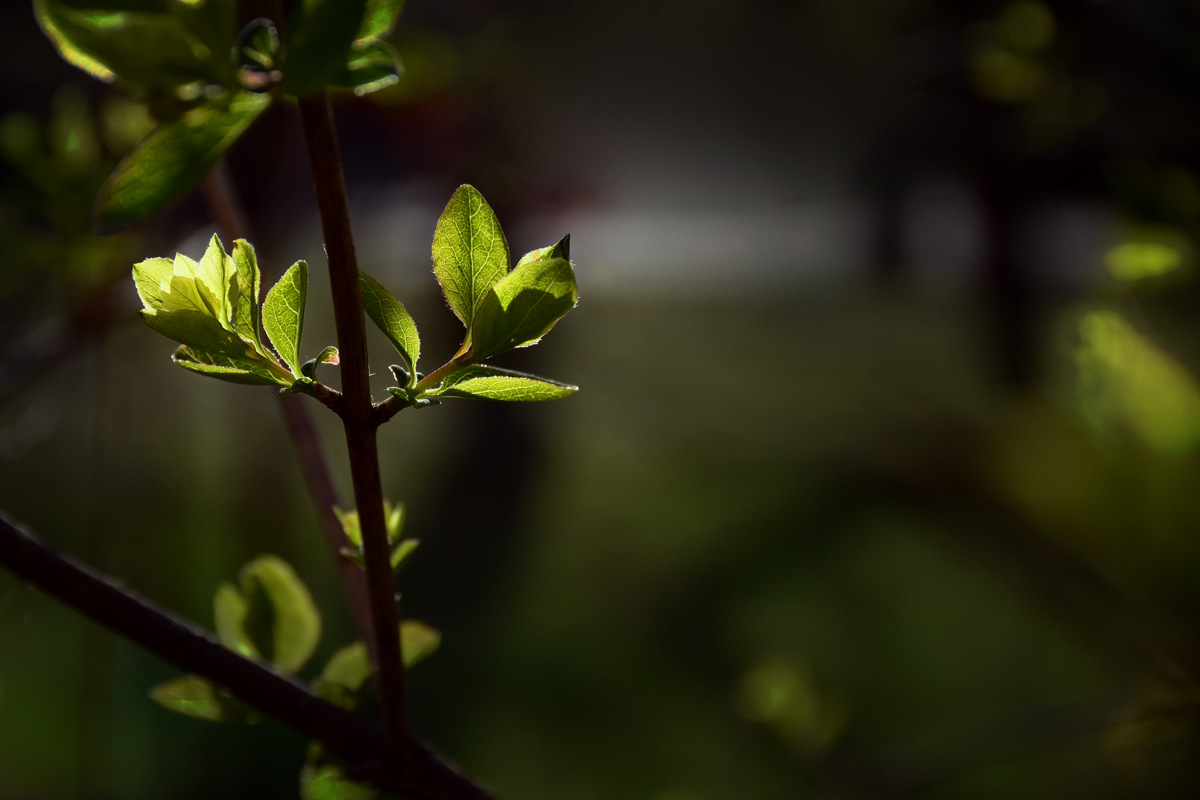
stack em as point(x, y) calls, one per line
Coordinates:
point(357, 412)
point(222, 200)
point(423, 776)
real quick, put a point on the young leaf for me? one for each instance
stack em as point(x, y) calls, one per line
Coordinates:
point(329, 782)
point(470, 253)
point(198, 331)
point(216, 273)
point(319, 34)
point(493, 383)
point(344, 675)
point(350, 525)
point(390, 316)
point(561, 249)
point(327, 356)
point(297, 623)
point(283, 314)
point(394, 515)
point(370, 66)
point(523, 307)
point(418, 641)
point(234, 370)
point(191, 696)
point(402, 551)
point(173, 159)
point(380, 18)
point(249, 281)
point(230, 610)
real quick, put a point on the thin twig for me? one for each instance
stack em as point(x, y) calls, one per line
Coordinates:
point(222, 199)
point(357, 412)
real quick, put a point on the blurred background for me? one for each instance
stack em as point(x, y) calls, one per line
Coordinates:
point(882, 480)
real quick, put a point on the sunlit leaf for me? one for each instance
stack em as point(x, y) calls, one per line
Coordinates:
point(470, 253)
point(390, 316)
point(234, 370)
point(173, 159)
point(402, 552)
point(350, 525)
point(216, 272)
point(328, 782)
point(394, 518)
point(523, 307)
point(493, 383)
point(196, 330)
point(370, 66)
point(1134, 261)
point(249, 282)
point(380, 17)
point(283, 314)
point(327, 356)
point(418, 641)
point(319, 36)
point(561, 249)
point(296, 626)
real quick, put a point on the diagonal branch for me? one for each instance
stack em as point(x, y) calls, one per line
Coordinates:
point(423, 776)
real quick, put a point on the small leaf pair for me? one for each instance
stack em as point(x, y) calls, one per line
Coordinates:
point(211, 307)
point(271, 617)
point(501, 309)
point(394, 517)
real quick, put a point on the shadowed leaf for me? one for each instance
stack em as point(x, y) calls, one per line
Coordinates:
point(390, 316)
point(319, 34)
point(523, 307)
point(296, 627)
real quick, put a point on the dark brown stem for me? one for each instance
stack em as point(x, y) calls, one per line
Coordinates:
point(357, 412)
point(421, 776)
point(222, 199)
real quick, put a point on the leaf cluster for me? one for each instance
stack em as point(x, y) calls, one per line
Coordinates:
point(207, 80)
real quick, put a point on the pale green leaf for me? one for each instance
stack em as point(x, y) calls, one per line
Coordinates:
point(523, 307)
point(283, 314)
point(418, 641)
point(234, 370)
point(191, 696)
point(344, 675)
point(249, 282)
point(470, 253)
point(230, 610)
point(350, 525)
point(380, 18)
point(173, 159)
point(561, 249)
point(390, 316)
point(196, 330)
point(216, 272)
point(370, 66)
point(329, 782)
point(149, 276)
point(402, 551)
point(493, 383)
point(296, 625)
point(319, 36)
point(394, 517)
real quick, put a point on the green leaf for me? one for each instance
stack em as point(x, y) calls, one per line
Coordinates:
point(370, 66)
point(418, 641)
point(249, 282)
point(327, 356)
point(470, 253)
point(234, 370)
point(329, 782)
point(523, 307)
point(319, 35)
point(394, 518)
point(198, 331)
point(296, 626)
point(350, 525)
point(402, 551)
point(390, 316)
point(173, 159)
point(217, 274)
point(493, 383)
point(197, 697)
point(561, 249)
point(283, 314)
point(150, 46)
point(380, 18)
point(344, 675)
point(230, 610)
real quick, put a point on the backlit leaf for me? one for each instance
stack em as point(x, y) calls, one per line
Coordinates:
point(233, 370)
point(370, 66)
point(216, 272)
point(283, 314)
point(470, 253)
point(523, 307)
point(196, 330)
point(344, 675)
point(390, 316)
point(561, 249)
point(319, 34)
point(296, 626)
point(492, 383)
point(402, 552)
point(173, 159)
point(249, 281)
point(418, 641)
point(380, 18)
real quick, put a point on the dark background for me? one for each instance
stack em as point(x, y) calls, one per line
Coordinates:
point(853, 503)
